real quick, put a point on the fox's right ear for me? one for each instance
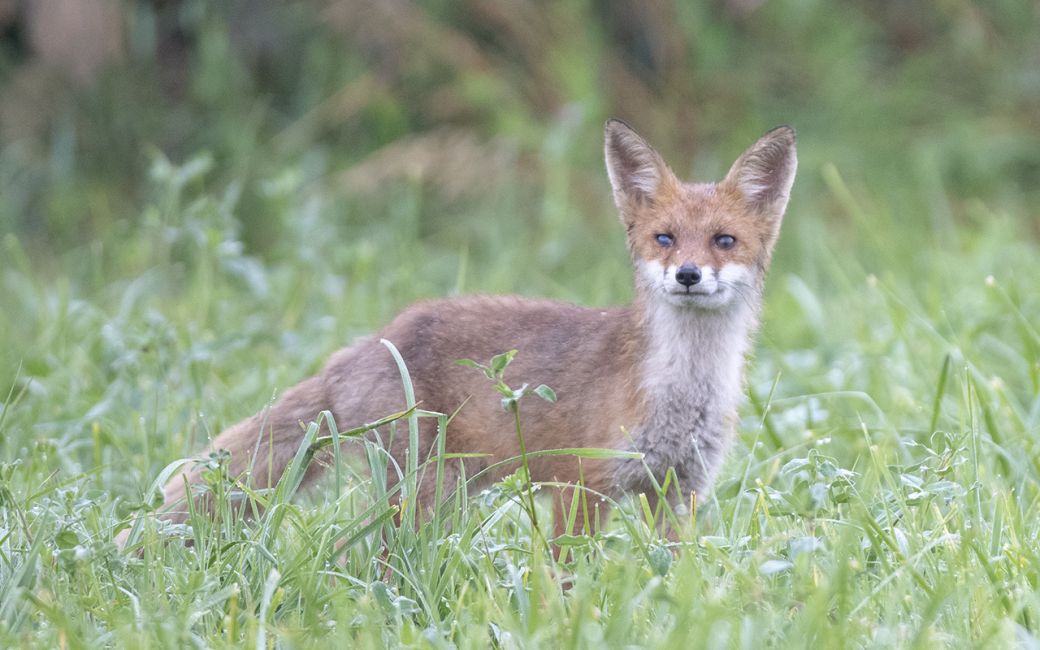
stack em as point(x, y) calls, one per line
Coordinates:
point(637, 172)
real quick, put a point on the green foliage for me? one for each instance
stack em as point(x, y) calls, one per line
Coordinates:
point(495, 371)
point(178, 242)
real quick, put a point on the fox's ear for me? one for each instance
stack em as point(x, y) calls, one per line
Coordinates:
point(637, 172)
point(764, 174)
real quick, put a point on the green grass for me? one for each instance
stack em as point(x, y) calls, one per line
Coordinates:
point(885, 487)
point(884, 490)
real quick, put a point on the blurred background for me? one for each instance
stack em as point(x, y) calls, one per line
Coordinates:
point(926, 106)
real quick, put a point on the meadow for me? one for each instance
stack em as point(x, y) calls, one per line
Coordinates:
point(174, 253)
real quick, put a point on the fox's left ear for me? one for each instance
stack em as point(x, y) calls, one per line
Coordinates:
point(764, 174)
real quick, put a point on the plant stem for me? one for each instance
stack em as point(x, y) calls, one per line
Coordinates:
point(515, 407)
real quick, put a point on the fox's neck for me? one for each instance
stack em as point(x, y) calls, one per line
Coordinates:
point(690, 365)
point(694, 354)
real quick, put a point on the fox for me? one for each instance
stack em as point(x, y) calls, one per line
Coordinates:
point(662, 376)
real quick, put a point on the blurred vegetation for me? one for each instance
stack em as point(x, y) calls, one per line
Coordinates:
point(199, 205)
point(934, 106)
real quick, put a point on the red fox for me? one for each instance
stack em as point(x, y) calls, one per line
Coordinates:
point(662, 376)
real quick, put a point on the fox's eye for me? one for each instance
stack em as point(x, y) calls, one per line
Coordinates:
point(665, 240)
point(725, 242)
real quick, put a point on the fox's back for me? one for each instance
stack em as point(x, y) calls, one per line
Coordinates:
point(580, 353)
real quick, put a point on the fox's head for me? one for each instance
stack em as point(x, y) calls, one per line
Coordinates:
point(701, 245)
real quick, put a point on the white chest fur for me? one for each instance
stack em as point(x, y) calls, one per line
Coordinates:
point(692, 384)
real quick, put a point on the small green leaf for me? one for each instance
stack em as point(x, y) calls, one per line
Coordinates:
point(66, 539)
point(382, 595)
point(406, 606)
point(504, 389)
point(500, 361)
point(470, 363)
point(660, 559)
point(573, 540)
point(546, 393)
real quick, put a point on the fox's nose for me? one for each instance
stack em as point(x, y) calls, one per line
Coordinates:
point(688, 275)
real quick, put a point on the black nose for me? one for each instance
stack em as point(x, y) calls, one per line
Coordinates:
point(688, 275)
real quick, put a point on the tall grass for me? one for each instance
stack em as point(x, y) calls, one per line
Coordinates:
point(885, 489)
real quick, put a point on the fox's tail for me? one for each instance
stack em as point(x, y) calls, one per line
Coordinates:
point(261, 447)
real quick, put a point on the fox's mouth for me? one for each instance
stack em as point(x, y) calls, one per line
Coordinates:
point(699, 296)
point(698, 290)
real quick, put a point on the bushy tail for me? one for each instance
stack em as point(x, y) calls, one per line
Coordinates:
point(261, 447)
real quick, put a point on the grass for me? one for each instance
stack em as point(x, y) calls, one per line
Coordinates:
point(885, 487)
point(884, 490)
